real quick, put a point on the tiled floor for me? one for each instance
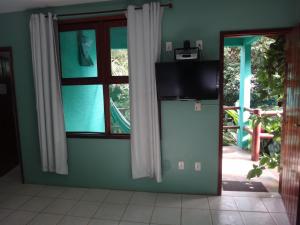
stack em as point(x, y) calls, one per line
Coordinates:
point(26, 204)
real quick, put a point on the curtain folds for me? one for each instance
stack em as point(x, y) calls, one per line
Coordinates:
point(144, 44)
point(49, 107)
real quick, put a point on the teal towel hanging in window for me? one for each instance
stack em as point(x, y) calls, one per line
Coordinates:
point(83, 49)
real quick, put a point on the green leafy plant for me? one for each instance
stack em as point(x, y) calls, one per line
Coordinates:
point(271, 148)
point(231, 75)
point(268, 86)
point(119, 62)
point(266, 161)
point(230, 136)
point(233, 114)
point(263, 53)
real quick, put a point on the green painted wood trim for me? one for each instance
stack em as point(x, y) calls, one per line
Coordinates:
point(233, 42)
point(250, 40)
point(245, 93)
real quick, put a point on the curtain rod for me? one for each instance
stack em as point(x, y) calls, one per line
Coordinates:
point(167, 5)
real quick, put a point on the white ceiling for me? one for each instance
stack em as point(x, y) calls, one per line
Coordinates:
point(20, 5)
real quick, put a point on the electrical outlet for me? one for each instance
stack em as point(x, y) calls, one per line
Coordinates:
point(169, 46)
point(197, 166)
point(199, 44)
point(181, 165)
point(197, 106)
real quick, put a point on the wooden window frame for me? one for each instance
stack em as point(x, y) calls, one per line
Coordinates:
point(102, 26)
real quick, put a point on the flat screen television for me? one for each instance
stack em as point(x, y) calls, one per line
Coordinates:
point(187, 80)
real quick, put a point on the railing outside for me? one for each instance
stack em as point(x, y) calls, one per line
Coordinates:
point(256, 132)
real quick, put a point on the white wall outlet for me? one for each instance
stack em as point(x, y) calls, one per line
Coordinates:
point(199, 44)
point(181, 165)
point(197, 106)
point(197, 166)
point(169, 46)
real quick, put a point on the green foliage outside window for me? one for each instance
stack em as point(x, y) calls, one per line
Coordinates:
point(119, 62)
point(119, 93)
point(267, 91)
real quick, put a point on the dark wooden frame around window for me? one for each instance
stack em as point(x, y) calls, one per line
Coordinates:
point(101, 25)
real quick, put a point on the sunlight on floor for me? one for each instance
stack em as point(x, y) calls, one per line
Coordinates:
point(237, 163)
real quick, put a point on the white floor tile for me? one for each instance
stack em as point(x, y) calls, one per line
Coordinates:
point(280, 218)
point(222, 203)
point(60, 206)
point(3, 196)
point(36, 204)
point(103, 222)
point(251, 194)
point(4, 213)
point(143, 198)
point(110, 211)
point(167, 216)
point(14, 201)
point(138, 213)
point(257, 218)
point(119, 197)
point(84, 209)
point(21, 203)
point(30, 189)
point(73, 193)
point(131, 223)
point(46, 219)
point(195, 201)
point(226, 218)
point(196, 217)
point(7, 187)
point(95, 195)
point(274, 204)
point(18, 218)
point(51, 191)
point(168, 200)
point(250, 204)
point(69, 220)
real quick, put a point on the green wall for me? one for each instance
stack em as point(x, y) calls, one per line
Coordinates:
point(297, 11)
point(186, 135)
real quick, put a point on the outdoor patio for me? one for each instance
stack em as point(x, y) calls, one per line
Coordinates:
point(236, 164)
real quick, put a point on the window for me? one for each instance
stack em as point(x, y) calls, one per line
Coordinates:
point(94, 76)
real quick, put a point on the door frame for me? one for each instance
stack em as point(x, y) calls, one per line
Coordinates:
point(223, 35)
point(15, 110)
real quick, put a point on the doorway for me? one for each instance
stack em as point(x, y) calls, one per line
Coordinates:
point(249, 122)
point(10, 157)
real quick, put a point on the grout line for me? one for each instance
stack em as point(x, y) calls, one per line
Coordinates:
point(243, 219)
point(272, 218)
point(235, 203)
point(209, 204)
point(154, 206)
point(10, 213)
point(265, 205)
point(126, 207)
point(128, 203)
point(211, 217)
point(180, 219)
point(100, 204)
point(106, 196)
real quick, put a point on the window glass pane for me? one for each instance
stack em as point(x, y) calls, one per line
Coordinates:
point(119, 108)
point(119, 52)
point(83, 108)
point(78, 53)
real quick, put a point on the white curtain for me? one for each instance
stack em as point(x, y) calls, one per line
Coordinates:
point(45, 63)
point(144, 44)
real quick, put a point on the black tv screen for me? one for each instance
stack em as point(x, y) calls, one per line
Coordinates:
point(187, 80)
